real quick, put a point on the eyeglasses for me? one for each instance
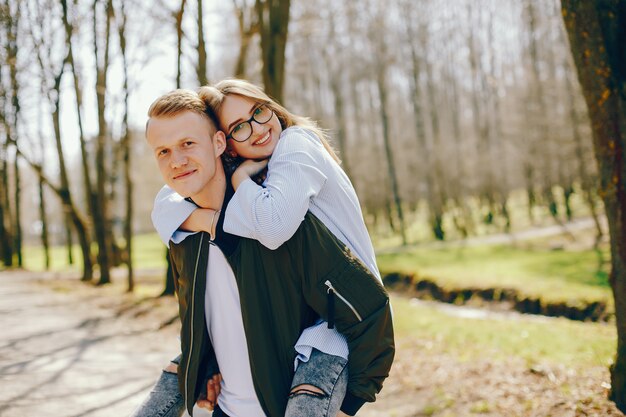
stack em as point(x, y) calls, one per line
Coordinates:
point(243, 130)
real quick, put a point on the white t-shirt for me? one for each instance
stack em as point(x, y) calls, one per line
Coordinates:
point(225, 326)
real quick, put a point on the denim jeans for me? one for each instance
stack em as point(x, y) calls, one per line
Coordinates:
point(328, 373)
point(165, 400)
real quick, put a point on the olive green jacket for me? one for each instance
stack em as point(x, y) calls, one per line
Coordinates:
point(282, 292)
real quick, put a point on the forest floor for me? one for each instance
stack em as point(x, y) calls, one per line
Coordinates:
point(70, 349)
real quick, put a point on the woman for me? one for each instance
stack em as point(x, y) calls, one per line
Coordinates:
point(303, 175)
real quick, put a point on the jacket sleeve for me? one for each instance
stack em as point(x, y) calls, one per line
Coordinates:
point(347, 295)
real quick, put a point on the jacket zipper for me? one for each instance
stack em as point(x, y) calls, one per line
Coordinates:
point(193, 299)
point(331, 304)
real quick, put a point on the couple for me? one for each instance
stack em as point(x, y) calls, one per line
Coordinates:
point(282, 308)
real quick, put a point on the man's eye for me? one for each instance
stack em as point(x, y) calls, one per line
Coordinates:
point(238, 128)
point(188, 143)
point(162, 152)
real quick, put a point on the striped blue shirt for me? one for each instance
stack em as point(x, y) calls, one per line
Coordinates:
point(301, 176)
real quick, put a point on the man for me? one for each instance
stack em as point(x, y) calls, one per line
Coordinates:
point(273, 295)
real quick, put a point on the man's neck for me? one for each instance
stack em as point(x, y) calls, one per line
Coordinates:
point(212, 197)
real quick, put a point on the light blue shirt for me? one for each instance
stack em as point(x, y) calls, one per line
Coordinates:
point(302, 176)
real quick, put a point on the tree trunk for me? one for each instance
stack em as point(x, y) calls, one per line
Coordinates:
point(69, 243)
point(334, 75)
point(273, 18)
point(64, 190)
point(586, 181)
point(12, 51)
point(6, 240)
point(45, 241)
point(201, 69)
point(179, 40)
point(126, 156)
point(73, 215)
point(101, 220)
point(247, 28)
point(596, 31)
point(18, 218)
point(90, 197)
point(480, 100)
point(391, 167)
point(434, 210)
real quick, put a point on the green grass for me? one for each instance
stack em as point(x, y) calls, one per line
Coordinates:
point(148, 252)
point(551, 275)
point(418, 228)
point(554, 340)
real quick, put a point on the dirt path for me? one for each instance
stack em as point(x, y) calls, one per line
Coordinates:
point(70, 350)
point(505, 238)
point(72, 353)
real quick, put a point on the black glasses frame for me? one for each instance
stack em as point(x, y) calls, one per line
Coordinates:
point(249, 122)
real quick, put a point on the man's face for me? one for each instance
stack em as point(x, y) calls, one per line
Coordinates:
point(187, 152)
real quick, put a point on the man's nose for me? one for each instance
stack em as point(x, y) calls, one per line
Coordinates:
point(178, 159)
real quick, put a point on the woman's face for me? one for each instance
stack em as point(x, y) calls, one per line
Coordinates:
point(235, 115)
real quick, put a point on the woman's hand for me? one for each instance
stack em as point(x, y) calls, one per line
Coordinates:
point(209, 400)
point(247, 169)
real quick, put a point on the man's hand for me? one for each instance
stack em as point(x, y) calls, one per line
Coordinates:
point(247, 169)
point(209, 400)
point(342, 414)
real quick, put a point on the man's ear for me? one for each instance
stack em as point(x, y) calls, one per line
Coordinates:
point(219, 143)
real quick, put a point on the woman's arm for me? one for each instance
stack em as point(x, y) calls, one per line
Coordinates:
point(169, 213)
point(272, 214)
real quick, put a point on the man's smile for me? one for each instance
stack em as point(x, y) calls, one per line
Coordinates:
point(184, 175)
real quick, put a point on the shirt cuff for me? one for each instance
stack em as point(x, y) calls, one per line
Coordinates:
point(178, 236)
point(351, 404)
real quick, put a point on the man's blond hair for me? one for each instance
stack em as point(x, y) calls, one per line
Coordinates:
point(178, 101)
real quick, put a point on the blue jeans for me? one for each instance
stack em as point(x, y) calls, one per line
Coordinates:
point(328, 373)
point(165, 400)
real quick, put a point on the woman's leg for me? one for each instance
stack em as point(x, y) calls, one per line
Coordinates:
point(318, 387)
point(165, 399)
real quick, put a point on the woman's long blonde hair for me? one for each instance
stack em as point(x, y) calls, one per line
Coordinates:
point(214, 95)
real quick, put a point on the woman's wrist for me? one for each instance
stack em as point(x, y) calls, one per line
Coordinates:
point(239, 176)
point(200, 220)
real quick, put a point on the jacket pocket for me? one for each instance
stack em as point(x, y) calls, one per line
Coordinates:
point(352, 294)
point(332, 294)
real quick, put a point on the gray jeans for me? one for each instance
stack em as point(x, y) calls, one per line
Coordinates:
point(328, 373)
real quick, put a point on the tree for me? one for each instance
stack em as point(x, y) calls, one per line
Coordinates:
point(126, 152)
point(382, 57)
point(596, 31)
point(101, 217)
point(248, 27)
point(178, 18)
point(273, 18)
point(201, 69)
